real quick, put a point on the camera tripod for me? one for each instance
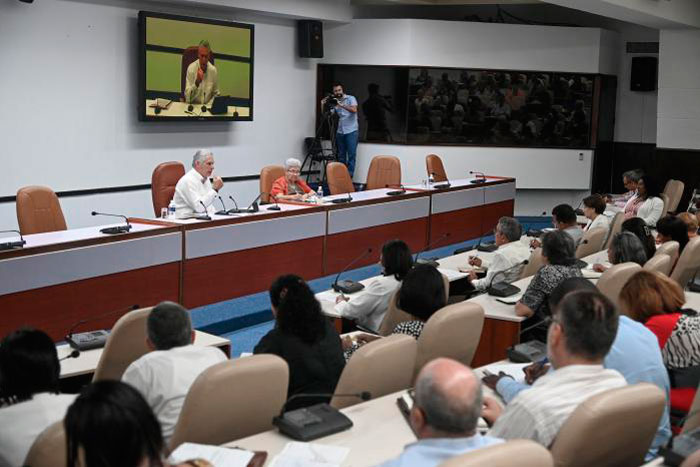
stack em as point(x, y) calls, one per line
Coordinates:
point(315, 150)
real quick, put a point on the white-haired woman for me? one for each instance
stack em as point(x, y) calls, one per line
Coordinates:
point(291, 186)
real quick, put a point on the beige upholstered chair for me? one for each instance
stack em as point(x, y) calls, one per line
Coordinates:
point(384, 171)
point(38, 210)
point(669, 249)
point(693, 420)
point(268, 175)
point(615, 228)
point(659, 263)
point(614, 428)
point(666, 201)
point(49, 448)
point(380, 367)
point(433, 165)
point(688, 263)
point(163, 181)
point(453, 332)
point(232, 400)
point(592, 242)
point(534, 264)
point(674, 190)
point(125, 344)
point(520, 452)
point(339, 180)
point(611, 281)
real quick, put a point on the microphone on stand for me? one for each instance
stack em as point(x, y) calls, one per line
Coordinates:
point(340, 200)
point(235, 210)
point(398, 192)
point(223, 212)
point(431, 261)
point(15, 244)
point(504, 289)
point(478, 180)
point(276, 206)
point(350, 286)
point(114, 230)
point(441, 185)
point(205, 216)
point(92, 339)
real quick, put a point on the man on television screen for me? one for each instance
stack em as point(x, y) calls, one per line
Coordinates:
point(202, 80)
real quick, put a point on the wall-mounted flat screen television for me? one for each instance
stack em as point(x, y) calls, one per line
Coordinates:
point(195, 69)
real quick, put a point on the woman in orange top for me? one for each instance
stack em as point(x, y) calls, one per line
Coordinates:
point(291, 187)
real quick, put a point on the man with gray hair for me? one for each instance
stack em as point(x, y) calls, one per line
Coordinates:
point(508, 260)
point(291, 186)
point(201, 79)
point(164, 375)
point(444, 416)
point(195, 192)
point(630, 179)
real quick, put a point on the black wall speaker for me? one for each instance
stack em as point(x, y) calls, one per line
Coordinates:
point(310, 40)
point(643, 76)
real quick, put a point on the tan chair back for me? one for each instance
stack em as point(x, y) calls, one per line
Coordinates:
point(611, 281)
point(688, 263)
point(674, 190)
point(232, 400)
point(693, 420)
point(534, 264)
point(613, 428)
point(669, 249)
point(38, 210)
point(395, 315)
point(520, 452)
point(453, 332)
point(163, 180)
point(666, 201)
point(592, 242)
point(384, 171)
point(268, 175)
point(434, 166)
point(339, 180)
point(49, 448)
point(615, 228)
point(380, 367)
point(125, 344)
point(659, 263)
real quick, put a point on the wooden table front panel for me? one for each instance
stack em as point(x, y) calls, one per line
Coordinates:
point(461, 225)
point(496, 336)
point(493, 212)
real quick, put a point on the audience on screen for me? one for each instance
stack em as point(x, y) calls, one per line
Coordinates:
point(648, 204)
point(625, 247)
point(640, 228)
point(445, 413)
point(305, 339)
point(29, 395)
point(670, 228)
point(691, 222)
point(165, 375)
point(593, 209)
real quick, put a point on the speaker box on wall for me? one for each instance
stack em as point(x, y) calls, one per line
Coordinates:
point(310, 40)
point(643, 76)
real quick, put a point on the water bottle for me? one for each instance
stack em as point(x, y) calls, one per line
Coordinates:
point(171, 209)
point(319, 194)
point(431, 180)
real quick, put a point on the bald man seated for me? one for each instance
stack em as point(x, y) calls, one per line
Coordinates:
point(444, 415)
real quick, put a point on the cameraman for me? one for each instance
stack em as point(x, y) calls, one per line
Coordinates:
point(346, 136)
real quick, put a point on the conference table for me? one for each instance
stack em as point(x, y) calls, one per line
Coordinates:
point(179, 109)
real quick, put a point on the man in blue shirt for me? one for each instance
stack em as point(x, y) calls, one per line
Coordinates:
point(444, 415)
point(346, 136)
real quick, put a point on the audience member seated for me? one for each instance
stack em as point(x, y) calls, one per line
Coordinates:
point(511, 252)
point(581, 332)
point(559, 264)
point(593, 209)
point(634, 353)
point(624, 248)
point(630, 179)
point(422, 293)
point(369, 308)
point(444, 416)
point(164, 375)
point(291, 187)
point(564, 219)
point(640, 228)
point(195, 191)
point(305, 339)
point(29, 398)
point(691, 221)
point(657, 301)
point(648, 203)
point(670, 228)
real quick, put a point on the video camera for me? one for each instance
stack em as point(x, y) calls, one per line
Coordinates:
point(331, 102)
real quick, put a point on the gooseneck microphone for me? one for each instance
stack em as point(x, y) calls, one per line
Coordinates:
point(478, 174)
point(349, 286)
point(74, 354)
point(504, 289)
point(235, 210)
point(224, 211)
point(276, 206)
point(430, 261)
point(339, 200)
point(13, 244)
point(204, 216)
point(441, 185)
point(93, 339)
point(401, 190)
point(114, 230)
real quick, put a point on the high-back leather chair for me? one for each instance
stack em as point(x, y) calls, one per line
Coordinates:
point(659, 263)
point(592, 242)
point(615, 228)
point(614, 279)
point(339, 180)
point(38, 210)
point(268, 175)
point(434, 166)
point(49, 448)
point(669, 249)
point(189, 55)
point(688, 263)
point(453, 332)
point(384, 171)
point(614, 428)
point(125, 344)
point(163, 180)
point(380, 367)
point(520, 452)
point(232, 400)
point(534, 264)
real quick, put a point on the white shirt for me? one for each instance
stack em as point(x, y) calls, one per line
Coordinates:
point(164, 377)
point(506, 256)
point(208, 88)
point(191, 191)
point(539, 412)
point(600, 221)
point(650, 210)
point(369, 306)
point(21, 423)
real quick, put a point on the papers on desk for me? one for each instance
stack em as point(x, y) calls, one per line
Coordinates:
point(216, 455)
point(513, 369)
point(452, 275)
point(297, 454)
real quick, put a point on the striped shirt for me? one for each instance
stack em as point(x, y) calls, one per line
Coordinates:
point(540, 412)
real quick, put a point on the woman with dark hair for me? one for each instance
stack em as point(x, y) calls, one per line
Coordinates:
point(640, 228)
point(593, 209)
point(624, 248)
point(369, 307)
point(305, 339)
point(648, 203)
point(29, 398)
point(670, 228)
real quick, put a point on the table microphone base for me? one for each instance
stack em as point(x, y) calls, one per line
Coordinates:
point(429, 261)
point(116, 230)
point(348, 286)
point(312, 422)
